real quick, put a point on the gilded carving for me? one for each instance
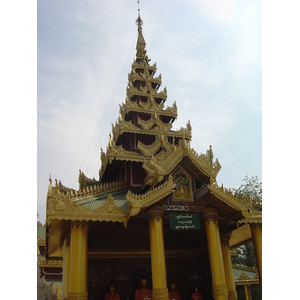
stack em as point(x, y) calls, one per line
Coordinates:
point(183, 186)
point(146, 125)
point(119, 153)
point(166, 161)
point(110, 204)
point(73, 211)
point(51, 263)
point(220, 290)
point(232, 295)
point(160, 142)
point(251, 216)
point(57, 290)
point(153, 196)
point(147, 105)
point(150, 149)
point(244, 277)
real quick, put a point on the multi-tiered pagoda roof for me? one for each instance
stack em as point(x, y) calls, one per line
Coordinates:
point(145, 162)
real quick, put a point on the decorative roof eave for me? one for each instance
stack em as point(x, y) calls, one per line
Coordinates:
point(40, 242)
point(226, 196)
point(49, 263)
point(144, 92)
point(165, 162)
point(149, 150)
point(137, 202)
point(238, 202)
point(134, 106)
point(204, 162)
point(160, 142)
point(84, 181)
point(135, 65)
point(62, 206)
point(119, 153)
point(133, 76)
point(251, 216)
point(148, 125)
point(126, 126)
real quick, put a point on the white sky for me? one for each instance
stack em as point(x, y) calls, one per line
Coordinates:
point(209, 55)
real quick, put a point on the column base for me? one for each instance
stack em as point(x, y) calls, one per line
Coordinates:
point(220, 291)
point(160, 294)
point(232, 295)
point(78, 296)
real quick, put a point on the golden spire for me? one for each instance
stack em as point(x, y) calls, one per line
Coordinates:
point(141, 44)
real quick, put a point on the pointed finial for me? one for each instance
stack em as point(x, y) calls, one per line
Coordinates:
point(141, 44)
point(139, 21)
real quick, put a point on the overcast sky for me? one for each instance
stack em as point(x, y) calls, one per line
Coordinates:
point(209, 54)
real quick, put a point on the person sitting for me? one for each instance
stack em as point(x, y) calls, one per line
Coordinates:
point(143, 293)
point(173, 293)
point(196, 295)
point(112, 295)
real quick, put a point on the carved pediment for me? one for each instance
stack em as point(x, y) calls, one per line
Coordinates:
point(244, 277)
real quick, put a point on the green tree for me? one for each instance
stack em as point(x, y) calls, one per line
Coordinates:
point(250, 187)
point(245, 254)
point(253, 188)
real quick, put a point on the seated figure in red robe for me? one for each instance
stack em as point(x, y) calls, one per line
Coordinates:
point(197, 295)
point(143, 293)
point(173, 293)
point(112, 295)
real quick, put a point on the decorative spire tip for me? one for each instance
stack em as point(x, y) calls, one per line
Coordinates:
point(139, 21)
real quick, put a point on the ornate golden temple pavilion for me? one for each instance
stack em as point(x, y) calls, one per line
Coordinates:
point(156, 210)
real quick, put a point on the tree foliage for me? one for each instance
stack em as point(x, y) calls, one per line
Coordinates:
point(245, 253)
point(250, 187)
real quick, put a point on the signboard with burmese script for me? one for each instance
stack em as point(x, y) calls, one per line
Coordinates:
point(184, 221)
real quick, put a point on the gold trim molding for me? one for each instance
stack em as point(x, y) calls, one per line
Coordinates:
point(137, 202)
point(62, 206)
point(226, 195)
point(49, 263)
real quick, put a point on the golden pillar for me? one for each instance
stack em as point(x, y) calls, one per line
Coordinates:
point(66, 266)
point(256, 230)
point(248, 292)
point(157, 248)
point(232, 295)
point(219, 288)
point(78, 261)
